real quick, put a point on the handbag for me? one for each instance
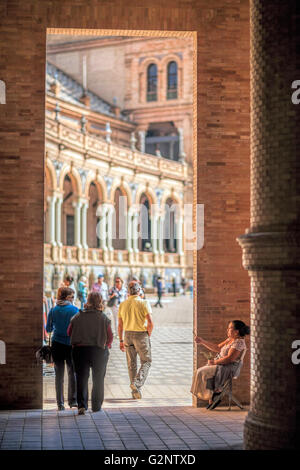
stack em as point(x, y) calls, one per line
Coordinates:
point(112, 301)
point(44, 354)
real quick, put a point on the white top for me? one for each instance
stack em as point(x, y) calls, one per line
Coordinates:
point(238, 344)
point(102, 289)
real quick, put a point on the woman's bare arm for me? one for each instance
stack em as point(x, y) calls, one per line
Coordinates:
point(223, 343)
point(211, 346)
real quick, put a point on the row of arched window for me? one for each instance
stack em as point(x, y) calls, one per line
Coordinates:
point(172, 81)
point(67, 216)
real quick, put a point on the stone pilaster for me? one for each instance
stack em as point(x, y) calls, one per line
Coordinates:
point(179, 236)
point(58, 219)
point(129, 232)
point(77, 206)
point(135, 233)
point(84, 209)
point(51, 215)
point(110, 228)
point(102, 232)
point(161, 234)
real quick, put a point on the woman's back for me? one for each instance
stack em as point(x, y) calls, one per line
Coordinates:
point(58, 321)
point(89, 328)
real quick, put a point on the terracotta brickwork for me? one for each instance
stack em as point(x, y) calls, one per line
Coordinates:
point(271, 246)
point(221, 164)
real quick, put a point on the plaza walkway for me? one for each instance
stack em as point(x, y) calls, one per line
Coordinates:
point(163, 419)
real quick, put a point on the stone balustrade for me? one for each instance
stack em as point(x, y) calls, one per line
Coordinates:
point(97, 148)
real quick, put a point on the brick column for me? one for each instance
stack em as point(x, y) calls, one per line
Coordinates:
point(271, 245)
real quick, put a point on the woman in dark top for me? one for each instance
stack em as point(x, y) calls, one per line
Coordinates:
point(91, 337)
point(58, 321)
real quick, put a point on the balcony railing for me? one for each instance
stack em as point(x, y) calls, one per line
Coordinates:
point(96, 256)
point(98, 148)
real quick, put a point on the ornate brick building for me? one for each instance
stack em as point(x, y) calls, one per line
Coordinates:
point(138, 147)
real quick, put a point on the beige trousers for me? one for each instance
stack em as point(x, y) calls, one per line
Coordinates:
point(137, 343)
point(199, 382)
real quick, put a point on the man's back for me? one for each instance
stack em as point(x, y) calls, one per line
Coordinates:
point(133, 312)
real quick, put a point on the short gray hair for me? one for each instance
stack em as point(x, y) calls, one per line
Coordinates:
point(134, 288)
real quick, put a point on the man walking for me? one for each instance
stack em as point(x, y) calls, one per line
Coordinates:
point(159, 287)
point(134, 313)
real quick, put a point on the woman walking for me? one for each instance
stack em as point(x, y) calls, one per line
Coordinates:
point(91, 337)
point(58, 321)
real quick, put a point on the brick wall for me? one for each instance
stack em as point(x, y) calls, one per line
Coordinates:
point(221, 169)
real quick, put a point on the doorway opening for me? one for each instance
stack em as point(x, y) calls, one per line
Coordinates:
point(120, 141)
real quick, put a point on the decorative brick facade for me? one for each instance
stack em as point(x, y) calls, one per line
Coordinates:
point(221, 164)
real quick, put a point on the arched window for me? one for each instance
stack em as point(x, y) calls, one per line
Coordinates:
point(152, 83)
point(172, 81)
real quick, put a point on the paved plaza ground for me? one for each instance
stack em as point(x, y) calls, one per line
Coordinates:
point(163, 419)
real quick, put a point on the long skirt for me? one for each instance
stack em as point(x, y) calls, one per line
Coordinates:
point(199, 384)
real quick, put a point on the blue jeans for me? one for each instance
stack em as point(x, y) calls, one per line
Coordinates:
point(86, 357)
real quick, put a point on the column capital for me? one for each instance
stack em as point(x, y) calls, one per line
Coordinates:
point(58, 194)
point(103, 208)
point(52, 198)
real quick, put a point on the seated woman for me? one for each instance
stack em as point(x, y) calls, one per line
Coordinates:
point(208, 379)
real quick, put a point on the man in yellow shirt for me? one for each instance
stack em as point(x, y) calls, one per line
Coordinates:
point(136, 321)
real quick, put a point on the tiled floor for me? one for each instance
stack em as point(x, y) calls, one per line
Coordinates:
point(157, 428)
point(163, 419)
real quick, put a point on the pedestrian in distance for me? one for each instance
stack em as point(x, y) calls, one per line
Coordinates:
point(136, 322)
point(142, 290)
point(91, 339)
point(117, 294)
point(191, 287)
point(58, 321)
point(159, 287)
point(69, 282)
point(82, 291)
point(101, 287)
point(183, 285)
point(174, 286)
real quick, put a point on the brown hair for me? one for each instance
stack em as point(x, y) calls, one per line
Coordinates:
point(64, 292)
point(94, 302)
point(118, 277)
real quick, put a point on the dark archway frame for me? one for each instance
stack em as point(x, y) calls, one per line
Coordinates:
point(221, 164)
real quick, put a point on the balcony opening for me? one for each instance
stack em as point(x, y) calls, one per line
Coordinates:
point(162, 139)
